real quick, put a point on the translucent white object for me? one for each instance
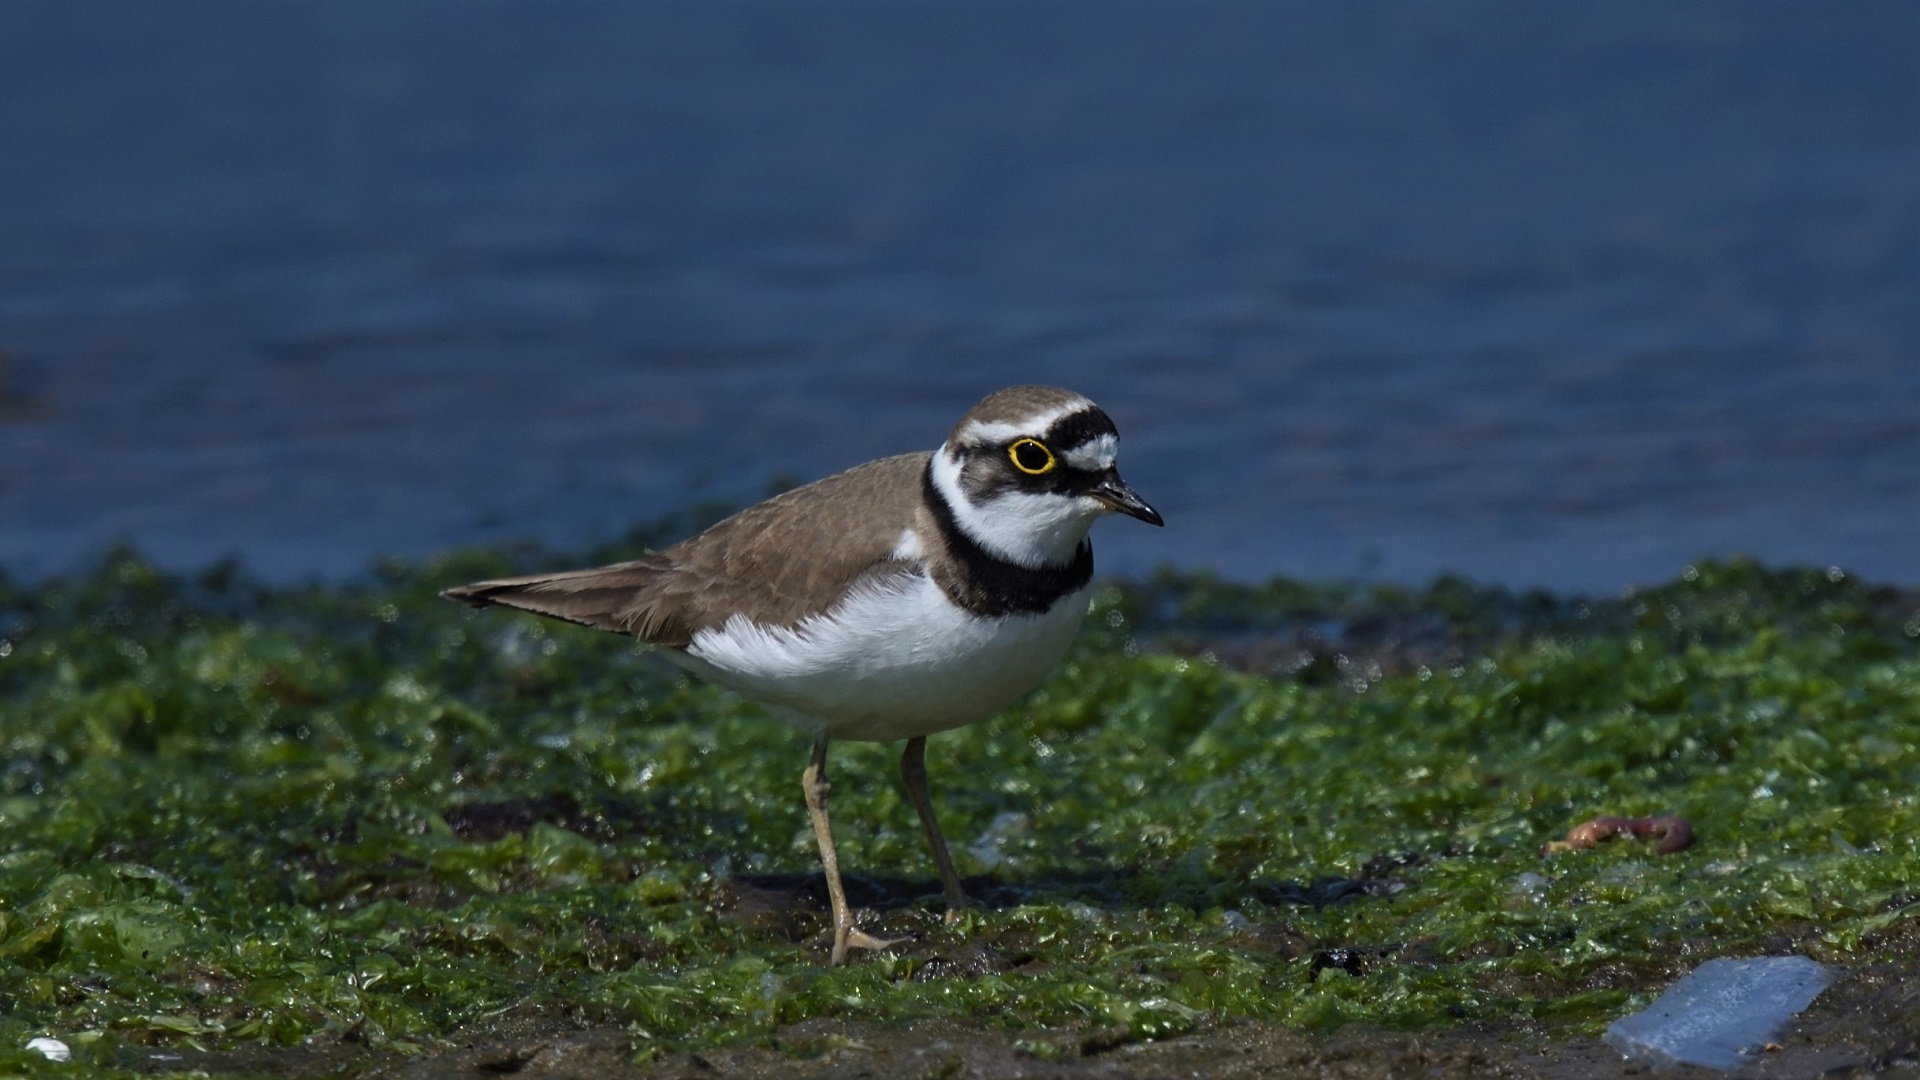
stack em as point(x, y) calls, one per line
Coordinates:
point(1721, 1013)
point(54, 1049)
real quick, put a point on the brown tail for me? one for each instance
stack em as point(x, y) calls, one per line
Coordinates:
point(621, 598)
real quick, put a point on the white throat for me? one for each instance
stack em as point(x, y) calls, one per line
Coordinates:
point(1031, 530)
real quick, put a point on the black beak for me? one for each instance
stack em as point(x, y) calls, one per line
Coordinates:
point(1120, 498)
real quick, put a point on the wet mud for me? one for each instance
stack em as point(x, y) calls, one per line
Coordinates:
point(1866, 1025)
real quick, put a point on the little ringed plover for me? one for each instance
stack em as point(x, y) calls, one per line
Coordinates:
point(903, 597)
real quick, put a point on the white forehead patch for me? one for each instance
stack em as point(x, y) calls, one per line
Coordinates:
point(1094, 455)
point(983, 431)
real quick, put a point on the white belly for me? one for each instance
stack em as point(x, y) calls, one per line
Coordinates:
point(889, 662)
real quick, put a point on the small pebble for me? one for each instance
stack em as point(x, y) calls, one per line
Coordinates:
point(1531, 884)
point(53, 1049)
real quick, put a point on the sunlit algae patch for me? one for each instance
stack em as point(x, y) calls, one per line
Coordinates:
point(232, 813)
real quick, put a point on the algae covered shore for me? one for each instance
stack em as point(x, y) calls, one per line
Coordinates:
point(359, 822)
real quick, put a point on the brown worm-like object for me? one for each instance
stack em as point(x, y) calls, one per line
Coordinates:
point(1673, 833)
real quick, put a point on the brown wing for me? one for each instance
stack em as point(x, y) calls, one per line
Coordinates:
point(776, 562)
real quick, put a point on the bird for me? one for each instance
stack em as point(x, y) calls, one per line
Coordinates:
point(907, 596)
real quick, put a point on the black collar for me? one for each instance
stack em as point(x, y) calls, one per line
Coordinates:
point(992, 587)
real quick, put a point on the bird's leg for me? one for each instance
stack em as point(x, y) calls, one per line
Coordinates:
point(913, 772)
point(845, 934)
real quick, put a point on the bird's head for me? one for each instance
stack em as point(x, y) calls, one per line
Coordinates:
point(1029, 469)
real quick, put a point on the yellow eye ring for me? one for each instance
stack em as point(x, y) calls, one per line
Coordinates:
point(1031, 456)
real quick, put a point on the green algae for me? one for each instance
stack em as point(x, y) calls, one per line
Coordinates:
point(236, 814)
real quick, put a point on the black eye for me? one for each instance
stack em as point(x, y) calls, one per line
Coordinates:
point(1031, 456)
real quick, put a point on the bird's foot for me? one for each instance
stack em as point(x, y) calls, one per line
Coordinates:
point(860, 939)
point(856, 938)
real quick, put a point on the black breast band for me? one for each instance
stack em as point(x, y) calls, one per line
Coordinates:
point(992, 587)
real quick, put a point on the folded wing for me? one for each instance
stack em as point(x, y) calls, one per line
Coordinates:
point(775, 563)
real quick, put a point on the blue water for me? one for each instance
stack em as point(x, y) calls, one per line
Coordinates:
point(1547, 294)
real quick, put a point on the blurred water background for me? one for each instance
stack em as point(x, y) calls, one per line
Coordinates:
point(1547, 294)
